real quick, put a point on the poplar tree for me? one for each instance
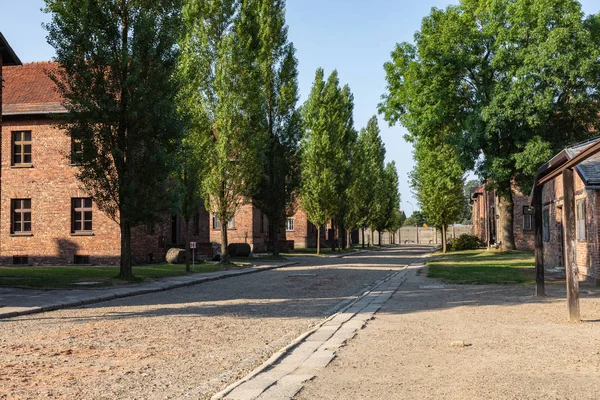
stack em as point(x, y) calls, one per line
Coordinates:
point(116, 62)
point(385, 211)
point(280, 119)
point(367, 167)
point(326, 120)
point(221, 78)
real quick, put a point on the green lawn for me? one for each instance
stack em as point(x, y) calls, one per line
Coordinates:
point(484, 267)
point(57, 277)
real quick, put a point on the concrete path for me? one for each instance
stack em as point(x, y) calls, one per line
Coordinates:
point(16, 301)
point(284, 374)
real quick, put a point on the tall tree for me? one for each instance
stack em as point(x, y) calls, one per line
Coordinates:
point(503, 79)
point(116, 77)
point(438, 181)
point(385, 212)
point(367, 166)
point(280, 119)
point(325, 119)
point(221, 77)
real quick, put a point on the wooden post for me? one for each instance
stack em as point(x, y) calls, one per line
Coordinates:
point(569, 226)
point(539, 241)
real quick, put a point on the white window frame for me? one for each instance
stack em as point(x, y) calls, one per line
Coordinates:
point(580, 214)
point(290, 225)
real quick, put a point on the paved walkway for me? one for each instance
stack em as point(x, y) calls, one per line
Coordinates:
point(284, 374)
point(15, 301)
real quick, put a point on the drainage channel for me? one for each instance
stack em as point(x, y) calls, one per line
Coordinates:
point(283, 375)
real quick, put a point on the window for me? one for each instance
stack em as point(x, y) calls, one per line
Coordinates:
point(20, 216)
point(289, 225)
point(546, 224)
point(81, 260)
point(217, 223)
point(580, 219)
point(196, 224)
point(21, 147)
point(20, 260)
point(76, 151)
point(527, 218)
point(81, 215)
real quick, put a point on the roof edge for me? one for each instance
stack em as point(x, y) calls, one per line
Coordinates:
point(12, 58)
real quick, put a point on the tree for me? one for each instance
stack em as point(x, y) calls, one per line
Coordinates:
point(416, 219)
point(280, 119)
point(367, 166)
point(385, 213)
point(221, 75)
point(438, 181)
point(503, 80)
point(325, 118)
point(116, 77)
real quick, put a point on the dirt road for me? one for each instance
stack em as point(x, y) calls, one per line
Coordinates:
point(183, 343)
point(468, 342)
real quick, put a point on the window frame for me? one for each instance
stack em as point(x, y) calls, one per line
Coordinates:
point(216, 223)
point(21, 142)
point(23, 213)
point(580, 220)
point(546, 224)
point(527, 217)
point(80, 211)
point(76, 151)
point(287, 225)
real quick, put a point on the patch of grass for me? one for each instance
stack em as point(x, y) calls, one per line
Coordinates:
point(481, 267)
point(68, 277)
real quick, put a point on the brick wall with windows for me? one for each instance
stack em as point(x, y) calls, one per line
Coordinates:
point(304, 234)
point(523, 222)
point(248, 227)
point(587, 235)
point(47, 181)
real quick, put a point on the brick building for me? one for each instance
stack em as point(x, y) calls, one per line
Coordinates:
point(586, 184)
point(46, 217)
point(485, 218)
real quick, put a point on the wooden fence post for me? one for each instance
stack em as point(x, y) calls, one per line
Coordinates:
point(570, 262)
point(539, 241)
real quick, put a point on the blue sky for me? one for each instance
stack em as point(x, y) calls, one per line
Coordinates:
point(353, 36)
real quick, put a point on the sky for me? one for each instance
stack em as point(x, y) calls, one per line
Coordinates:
point(355, 37)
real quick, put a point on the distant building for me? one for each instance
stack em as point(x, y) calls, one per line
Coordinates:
point(485, 218)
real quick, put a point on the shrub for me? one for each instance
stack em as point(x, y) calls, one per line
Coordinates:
point(464, 242)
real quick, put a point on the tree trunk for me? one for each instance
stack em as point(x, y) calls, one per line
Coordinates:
point(372, 238)
point(187, 245)
point(348, 244)
point(379, 237)
point(343, 239)
point(318, 240)
point(274, 237)
point(332, 237)
point(224, 243)
point(363, 237)
point(505, 210)
point(444, 241)
point(125, 271)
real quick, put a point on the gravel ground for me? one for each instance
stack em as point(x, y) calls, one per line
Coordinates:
point(468, 342)
point(189, 342)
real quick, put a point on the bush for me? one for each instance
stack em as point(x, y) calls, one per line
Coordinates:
point(464, 242)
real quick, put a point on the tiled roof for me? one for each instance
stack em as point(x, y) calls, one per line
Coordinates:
point(589, 169)
point(29, 90)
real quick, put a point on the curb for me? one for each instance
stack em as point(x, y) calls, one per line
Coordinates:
point(158, 287)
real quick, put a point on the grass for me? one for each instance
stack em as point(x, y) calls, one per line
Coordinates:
point(68, 277)
point(482, 267)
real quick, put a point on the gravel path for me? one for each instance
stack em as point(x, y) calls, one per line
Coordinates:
point(188, 342)
point(468, 342)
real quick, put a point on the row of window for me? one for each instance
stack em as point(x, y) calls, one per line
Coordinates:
point(81, 216)
point(216, 224)
point(580, 225)
point(21, 149)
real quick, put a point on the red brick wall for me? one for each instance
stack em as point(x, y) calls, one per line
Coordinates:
point(246, 229)
point(304, 234)
point(524, 239)
point(50, 184)
point(586, 251)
